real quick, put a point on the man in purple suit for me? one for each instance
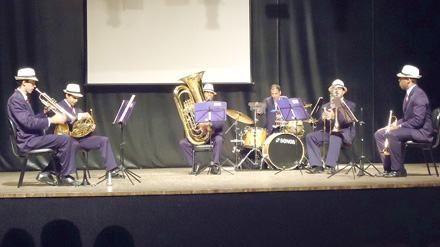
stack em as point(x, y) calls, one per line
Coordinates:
point(335, 139)
point(217, 139)
point(415, 125)
point(30, 126)
point(89, 142)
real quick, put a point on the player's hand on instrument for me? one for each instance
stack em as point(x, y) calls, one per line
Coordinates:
point(86, 115)
point(93, 127)
point(58, 118)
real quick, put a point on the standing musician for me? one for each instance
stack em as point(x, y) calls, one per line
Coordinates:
point(217, 139)
point(30, 126)
point(272, 111)
point(335, 139)
point(416, 124)
point(88, 142)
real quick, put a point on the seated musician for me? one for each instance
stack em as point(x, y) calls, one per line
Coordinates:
point(30, 127)
point(273, 115)
point(217, 139)
point(335, 139)
point(88, 142)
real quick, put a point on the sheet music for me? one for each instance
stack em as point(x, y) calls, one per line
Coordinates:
point(126, 108)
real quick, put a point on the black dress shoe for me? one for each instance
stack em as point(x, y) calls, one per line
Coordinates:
point(115, 173)
point(331, 170)
point(382, 174)
point(46, 178)
point(68, 181)
point(397, 174)
point(316, 169)
point(215, 169)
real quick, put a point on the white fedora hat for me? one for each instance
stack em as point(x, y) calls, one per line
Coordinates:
point(410, 71)
point(26, 74)
point(209, 88)
point(337, 84)
point(73, 89)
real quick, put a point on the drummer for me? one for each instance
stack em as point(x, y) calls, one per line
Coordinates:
point(273, 114)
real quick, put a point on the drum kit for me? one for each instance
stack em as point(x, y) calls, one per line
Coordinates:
point(284, 150)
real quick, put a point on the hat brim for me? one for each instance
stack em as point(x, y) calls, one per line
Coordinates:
point(19, 78)
point(345, 88)
point(72, 93)
point(409, 76)
point(210, 91)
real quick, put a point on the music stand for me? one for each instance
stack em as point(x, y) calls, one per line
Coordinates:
point(208, 112)
point(121, 119)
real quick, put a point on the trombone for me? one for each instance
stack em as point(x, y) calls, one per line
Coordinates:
point(385, 149)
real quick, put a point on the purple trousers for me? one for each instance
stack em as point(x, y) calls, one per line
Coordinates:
point(315, 140)
point(187, 148)
point(103, 144)
point(394, 161)
point(66, 145)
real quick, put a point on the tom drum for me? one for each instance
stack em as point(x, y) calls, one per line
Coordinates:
point(249, 140)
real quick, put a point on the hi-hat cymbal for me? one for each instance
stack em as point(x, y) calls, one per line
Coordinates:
point(241, 117)
point(256, 104)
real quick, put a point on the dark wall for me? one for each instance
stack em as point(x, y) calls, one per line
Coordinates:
point(302, 45)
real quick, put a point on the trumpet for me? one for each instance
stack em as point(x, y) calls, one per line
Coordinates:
point(386, 144)
point(52, 105)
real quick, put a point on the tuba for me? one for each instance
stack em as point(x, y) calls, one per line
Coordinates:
point(194, 92)
point(81, 127)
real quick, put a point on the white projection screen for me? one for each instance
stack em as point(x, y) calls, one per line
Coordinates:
point(161, 41)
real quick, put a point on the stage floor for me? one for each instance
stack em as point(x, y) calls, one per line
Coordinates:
point(177, 181)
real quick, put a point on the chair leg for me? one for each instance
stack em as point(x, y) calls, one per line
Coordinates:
point(426, 161)
point(23, 169)
point(86, 163)
point(193, 162)
point(433, 161)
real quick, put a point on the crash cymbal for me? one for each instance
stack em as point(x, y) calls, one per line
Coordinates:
point(241, 117)
point(307, 105)
point(257, 103)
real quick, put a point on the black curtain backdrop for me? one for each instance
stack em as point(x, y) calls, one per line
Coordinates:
point(303, 45)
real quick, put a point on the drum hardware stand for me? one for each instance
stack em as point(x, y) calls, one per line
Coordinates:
point(361, 158)
point(254, 148)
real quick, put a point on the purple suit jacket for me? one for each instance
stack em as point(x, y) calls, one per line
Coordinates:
point(28, 124)
point(270, 115)
point(348, 130)
point(417, 115)
point(78, 110)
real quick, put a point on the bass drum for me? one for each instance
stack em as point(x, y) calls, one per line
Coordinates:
point(283, 151)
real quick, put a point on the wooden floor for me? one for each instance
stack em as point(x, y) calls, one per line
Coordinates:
point(172, 181)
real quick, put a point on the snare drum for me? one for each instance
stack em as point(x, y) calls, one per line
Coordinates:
point(295, 127)
point(283, 151)
point(261, 135)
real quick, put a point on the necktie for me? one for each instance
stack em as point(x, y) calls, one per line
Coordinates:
point(407, 97)
point(27, 100)
point(71, 108)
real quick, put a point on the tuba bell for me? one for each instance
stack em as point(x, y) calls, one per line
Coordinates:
point(194, 94)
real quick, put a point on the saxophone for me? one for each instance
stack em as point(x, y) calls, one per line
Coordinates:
point(194, 94)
